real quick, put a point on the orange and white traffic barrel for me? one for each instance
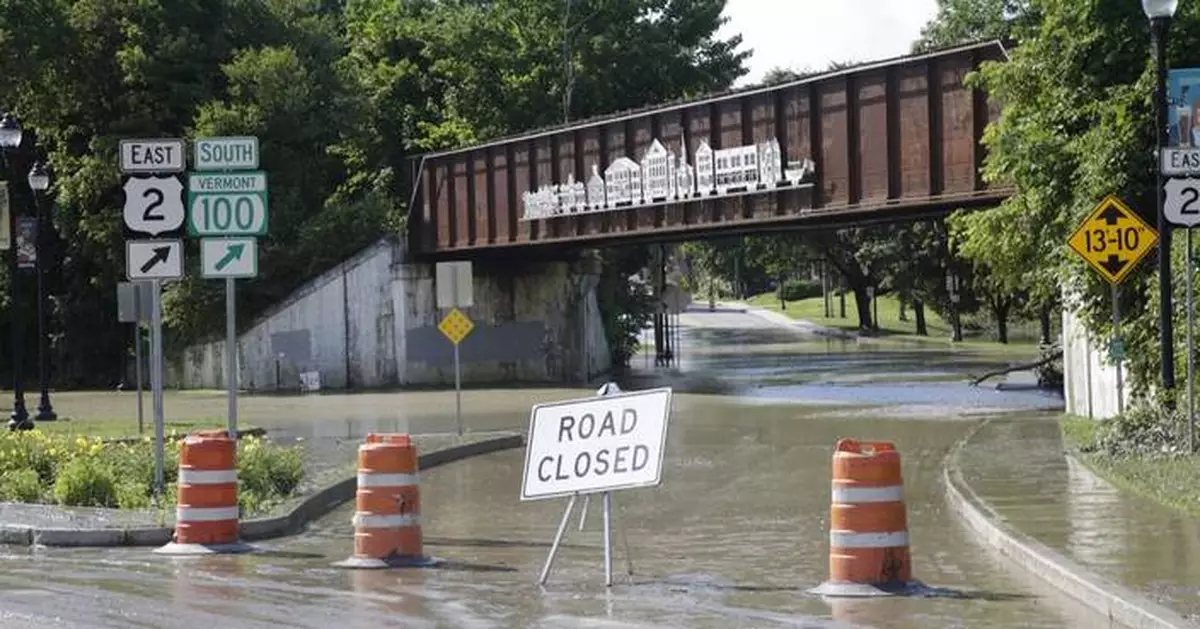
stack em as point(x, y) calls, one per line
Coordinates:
point(206, 509)
point(868, 524)
point(387, 505)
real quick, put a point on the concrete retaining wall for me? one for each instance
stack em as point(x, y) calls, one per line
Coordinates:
point(1089, 382)
point(372, 322)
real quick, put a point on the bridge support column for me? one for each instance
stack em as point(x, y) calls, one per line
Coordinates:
point(535, 321)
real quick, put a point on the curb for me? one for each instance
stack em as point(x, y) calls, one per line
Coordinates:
point(310, 508)
point(1120, 604)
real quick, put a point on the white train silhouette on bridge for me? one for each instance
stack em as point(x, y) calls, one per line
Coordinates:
point(663, 177)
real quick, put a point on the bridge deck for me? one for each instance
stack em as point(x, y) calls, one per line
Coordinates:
point(877, 142)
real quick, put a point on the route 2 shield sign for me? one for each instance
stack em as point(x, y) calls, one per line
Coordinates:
point(154, 205)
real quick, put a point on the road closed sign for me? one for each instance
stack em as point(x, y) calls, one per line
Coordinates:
point(596, 444)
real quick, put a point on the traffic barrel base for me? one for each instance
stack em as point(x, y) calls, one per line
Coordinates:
point(868, 525)
point(387, 514)
point(207, 516)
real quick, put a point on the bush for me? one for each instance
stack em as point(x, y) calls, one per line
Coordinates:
point(1147, 429)
point(77, 471)
point(797, 289)
point(20, 486)
point(266, 474)
point(86, 483)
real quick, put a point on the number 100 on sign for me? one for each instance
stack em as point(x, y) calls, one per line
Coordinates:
point(232, 204)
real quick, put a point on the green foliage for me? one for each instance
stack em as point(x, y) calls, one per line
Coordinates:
point(77, 471)
point(339, 93)
point(85, 482)
point(797, 289)
point(626, 304)
point(20, 486)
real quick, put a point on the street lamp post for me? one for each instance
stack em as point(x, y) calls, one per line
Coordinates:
point(39, 182)
point(1160, 13)
point(10, 138)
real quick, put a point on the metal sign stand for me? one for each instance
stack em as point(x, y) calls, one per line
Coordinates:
point(1118, 347)
point(231, 354)
point(137, 357)
point(1191, 344)
point(457, 392)
point(607, 389)
point(156, 380)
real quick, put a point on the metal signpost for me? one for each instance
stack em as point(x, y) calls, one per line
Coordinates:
point(1182, 207)
point(133, 306)
point(1113, 239)
point(595, 445)
point(154, 206)
point(227, 208)
point(455, 290)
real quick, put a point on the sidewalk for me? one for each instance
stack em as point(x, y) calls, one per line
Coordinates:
point(1019, 469)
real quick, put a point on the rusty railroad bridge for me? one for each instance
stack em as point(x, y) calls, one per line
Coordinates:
point(886, 141)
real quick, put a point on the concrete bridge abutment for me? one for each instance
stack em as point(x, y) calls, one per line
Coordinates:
point(371, 322)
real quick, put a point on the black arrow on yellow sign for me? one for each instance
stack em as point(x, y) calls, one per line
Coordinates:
point(1114, 264)
point(1111, 215)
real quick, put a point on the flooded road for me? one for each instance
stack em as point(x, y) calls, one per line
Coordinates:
point(733, 537)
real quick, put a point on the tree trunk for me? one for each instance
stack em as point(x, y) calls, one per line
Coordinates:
point(842, 298)
point(1000, 309)
point(1044, 316)
point(782, 301)
point(919, 313)
point(863, 302)
point(903, 311)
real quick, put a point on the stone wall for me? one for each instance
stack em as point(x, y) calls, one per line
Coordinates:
point(371, 322)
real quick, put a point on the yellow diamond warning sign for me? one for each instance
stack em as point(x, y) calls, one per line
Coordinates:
point(456, 326)
point(1113, 239)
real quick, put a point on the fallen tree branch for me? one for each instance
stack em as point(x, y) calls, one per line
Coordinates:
point(1023, 367)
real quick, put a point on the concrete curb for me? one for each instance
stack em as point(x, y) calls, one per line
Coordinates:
point(310, 508)
point(1118, 603)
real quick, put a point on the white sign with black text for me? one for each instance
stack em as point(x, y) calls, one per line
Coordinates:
point(1182, 203)
point(596, 444)
point(154, 205)
point(154, 155)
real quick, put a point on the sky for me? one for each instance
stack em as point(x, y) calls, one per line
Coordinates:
point(809, 34)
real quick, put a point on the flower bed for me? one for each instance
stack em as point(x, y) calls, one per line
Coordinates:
point(36, 467)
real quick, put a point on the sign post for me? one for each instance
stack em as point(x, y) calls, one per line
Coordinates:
point(227, 208)
point(595, 445)
point(1182, 207)
point(153, 206)
point(1113, 239)
point(133, 306)
point(455, 290)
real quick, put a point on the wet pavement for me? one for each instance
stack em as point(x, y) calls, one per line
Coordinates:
point(733, 537)
point(1040, 491)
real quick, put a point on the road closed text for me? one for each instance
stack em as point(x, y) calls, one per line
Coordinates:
point(597, 444)
point(601, 461)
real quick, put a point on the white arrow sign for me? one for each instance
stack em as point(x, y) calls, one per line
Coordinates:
point(154, 205)
point(1182, 205)
point(154, 259)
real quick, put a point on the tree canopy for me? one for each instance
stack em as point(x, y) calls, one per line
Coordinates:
point(339, 93)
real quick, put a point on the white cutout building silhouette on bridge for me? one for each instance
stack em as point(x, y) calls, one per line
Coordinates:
point(662, 177)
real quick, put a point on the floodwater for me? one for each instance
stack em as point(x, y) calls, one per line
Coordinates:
point(733, 538)
point(1128, 539)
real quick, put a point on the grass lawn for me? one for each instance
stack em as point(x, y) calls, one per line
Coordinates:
point(890, 325)
point(127, 427)
point(1173, 481)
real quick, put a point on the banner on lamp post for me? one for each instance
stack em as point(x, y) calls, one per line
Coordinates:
point(5, 219)
point(26, 242)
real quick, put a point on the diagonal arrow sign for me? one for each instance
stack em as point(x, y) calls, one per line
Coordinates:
point(1114, 264)
point(232, 253)
point(161, 254)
